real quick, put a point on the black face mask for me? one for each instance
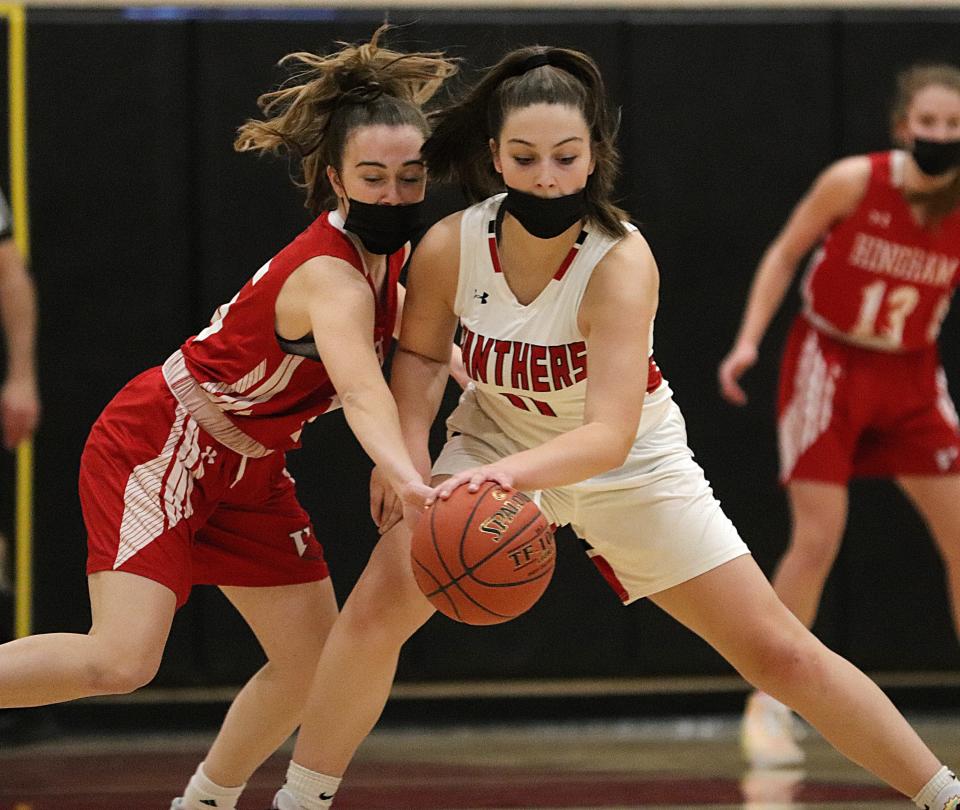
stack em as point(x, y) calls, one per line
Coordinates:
point(545, 217)
point(936, 157)
point(384, 229)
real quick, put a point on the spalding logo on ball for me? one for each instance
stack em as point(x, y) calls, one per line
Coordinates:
point(483, 557)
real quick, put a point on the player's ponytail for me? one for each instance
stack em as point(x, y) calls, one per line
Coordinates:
point(313, 113)
point(938, 204)
point(458, 150)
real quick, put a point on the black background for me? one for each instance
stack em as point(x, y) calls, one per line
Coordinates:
point(144, 220)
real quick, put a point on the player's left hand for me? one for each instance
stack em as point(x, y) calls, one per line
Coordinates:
point(19, 411)
point(473, 478)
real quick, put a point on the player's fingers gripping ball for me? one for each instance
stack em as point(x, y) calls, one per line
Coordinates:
point(483, 557)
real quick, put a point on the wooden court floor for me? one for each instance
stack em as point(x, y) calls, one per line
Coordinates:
point(665, 764)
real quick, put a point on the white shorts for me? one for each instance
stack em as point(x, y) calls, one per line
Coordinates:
point(664, 528)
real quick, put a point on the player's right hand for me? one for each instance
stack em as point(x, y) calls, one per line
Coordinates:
point(740, 359)
point(414, 495)
point(386, 508)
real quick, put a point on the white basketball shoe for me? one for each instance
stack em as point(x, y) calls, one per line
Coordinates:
point(284, 800)
point(768, 733)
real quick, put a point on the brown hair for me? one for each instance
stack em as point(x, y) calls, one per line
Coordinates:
point(459, 148)
point(313, 113)
point(937, 204)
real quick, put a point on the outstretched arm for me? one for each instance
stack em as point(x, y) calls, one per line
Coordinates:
point(416, 380)
point(833, 196)
point(341, 314)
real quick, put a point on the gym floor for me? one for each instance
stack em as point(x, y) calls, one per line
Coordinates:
point(665, 763)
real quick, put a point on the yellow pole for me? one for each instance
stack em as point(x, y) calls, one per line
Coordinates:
point(17, 82)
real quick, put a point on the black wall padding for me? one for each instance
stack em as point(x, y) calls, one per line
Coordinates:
point(110, 184)
point(145, 220)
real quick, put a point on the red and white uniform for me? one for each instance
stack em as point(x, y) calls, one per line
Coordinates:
point(182, 479)
point(862, 392)
point(881, 280)
point(265, 392)
point(647, 525)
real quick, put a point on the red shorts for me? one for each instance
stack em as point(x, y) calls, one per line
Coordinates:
point(847, 412)
point(164, 500)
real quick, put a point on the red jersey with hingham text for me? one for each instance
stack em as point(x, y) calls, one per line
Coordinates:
point(267, 392)
point(881, 279)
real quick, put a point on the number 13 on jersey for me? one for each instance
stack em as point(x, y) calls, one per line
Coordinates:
point(884, 311)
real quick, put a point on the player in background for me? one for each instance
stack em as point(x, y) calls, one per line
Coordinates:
point(556, 295)
point(19, 413)
point(182, 479)
point(862, 391)
point(19, 397)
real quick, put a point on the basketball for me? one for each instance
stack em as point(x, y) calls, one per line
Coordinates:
point(483, 557)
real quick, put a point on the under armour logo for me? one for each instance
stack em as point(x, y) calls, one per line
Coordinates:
point(208, 455)
point(879, 218)
point(945, 457)
point(482, 296)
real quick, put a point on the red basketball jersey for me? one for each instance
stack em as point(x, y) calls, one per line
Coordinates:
point(881, 279)
point(266, 392)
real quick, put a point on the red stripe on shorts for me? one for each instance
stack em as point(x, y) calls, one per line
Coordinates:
point(606, 571)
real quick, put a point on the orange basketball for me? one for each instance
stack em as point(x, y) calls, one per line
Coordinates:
point(483, 557)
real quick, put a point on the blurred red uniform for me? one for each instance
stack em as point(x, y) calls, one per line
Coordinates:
point(862, 391)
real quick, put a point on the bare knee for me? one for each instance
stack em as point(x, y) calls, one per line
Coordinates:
point(120, 672)
point(389, 617)
point(386, 605)
point(297, 657)
point(814, 546)
point(783, 661)
point(819, 513)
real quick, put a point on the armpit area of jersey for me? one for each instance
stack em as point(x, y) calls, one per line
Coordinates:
point(304, 347)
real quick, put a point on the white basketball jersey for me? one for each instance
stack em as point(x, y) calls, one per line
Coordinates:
point(528, 362)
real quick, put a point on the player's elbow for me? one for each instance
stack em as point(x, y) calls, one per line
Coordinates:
point(785, 255)
point(616, 446)
point(354, 399)
point(622, 452)
point(360, 394)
